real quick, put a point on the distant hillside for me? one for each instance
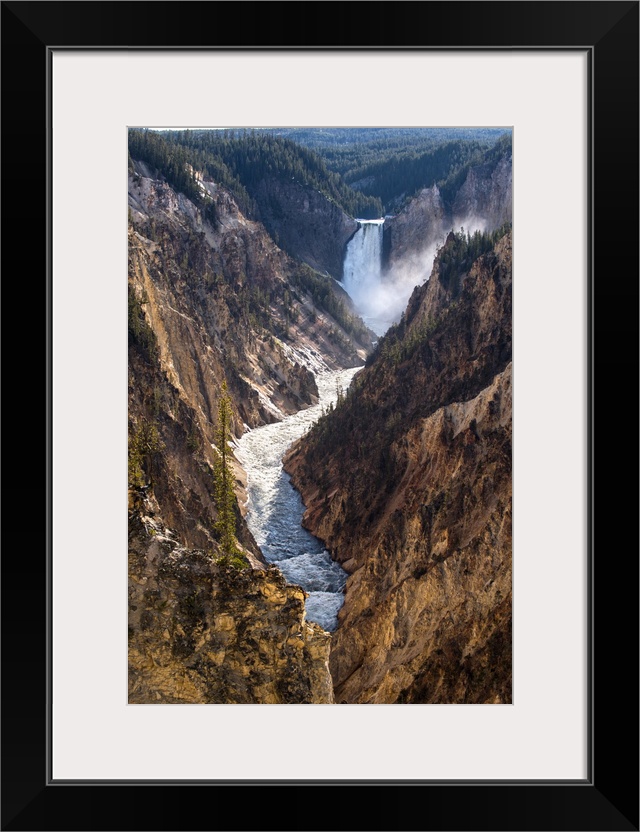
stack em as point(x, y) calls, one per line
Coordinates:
point(346, 150)
point(398, 178)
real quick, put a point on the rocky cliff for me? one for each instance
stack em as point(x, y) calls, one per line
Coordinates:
point(306, 224)
point(408, 482)
point(418, 227)
point(202, 633)
point(485, 198)
point(213, 299)
point(482, 201)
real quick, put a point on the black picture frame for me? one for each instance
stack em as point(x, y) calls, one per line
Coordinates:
point(608, 798)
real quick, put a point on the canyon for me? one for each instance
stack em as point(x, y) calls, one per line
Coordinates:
point(402, 429)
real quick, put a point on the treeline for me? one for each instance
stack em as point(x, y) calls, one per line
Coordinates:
point(394, 163)
point(364, 171)
point(250, 157)
point(346, 149)
point(405, 173)
point(445, 165)
point(460, 251)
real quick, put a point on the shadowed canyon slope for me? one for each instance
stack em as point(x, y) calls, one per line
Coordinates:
point(306, 224)
point(408, 482)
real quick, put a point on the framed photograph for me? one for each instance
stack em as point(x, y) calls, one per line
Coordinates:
point(86, 750)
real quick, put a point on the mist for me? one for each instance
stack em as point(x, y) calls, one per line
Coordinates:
point(381, 296)
point(382, 303)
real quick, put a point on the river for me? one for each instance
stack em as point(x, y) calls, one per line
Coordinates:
point(275, 508)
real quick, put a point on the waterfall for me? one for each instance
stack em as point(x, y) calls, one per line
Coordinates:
point(362, 273)
point(363, 259)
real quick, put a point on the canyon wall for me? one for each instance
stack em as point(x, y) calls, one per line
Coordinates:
point(408, 482)
point(482, 202)
point(306, 224)
point(214, 301)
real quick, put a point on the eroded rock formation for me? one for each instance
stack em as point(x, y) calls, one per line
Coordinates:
point(483, 201)
point(201, 632)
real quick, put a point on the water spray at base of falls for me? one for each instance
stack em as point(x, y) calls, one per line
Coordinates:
point(275, 508)
point(380, 295)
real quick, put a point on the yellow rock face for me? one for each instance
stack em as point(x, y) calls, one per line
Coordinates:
point(203, 633)
point(445, 604)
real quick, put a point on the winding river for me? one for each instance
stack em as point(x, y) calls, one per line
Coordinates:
point(275, 508)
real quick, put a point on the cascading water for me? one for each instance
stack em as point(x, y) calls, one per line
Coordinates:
point(363, 259)
point(362, 274)
point(275, 508)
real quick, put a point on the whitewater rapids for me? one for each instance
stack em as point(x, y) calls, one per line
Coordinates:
point(275, 508)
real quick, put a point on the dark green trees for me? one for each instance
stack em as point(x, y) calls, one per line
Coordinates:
point(241, 163)
point(144, 444)
point(223, 477)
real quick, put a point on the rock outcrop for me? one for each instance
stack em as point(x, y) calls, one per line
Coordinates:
point(414, 498)
point(204, 633)
point(420, 226)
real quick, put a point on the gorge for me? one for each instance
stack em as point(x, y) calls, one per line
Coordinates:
point(370, 357)
point(275, 508)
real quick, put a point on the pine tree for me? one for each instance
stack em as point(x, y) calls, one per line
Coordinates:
point(223, 477)
point(144, 444)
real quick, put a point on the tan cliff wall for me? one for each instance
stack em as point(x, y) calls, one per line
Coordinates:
point(211, 303)
point(415, 499)
point(202, 633)
point(439, 579)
